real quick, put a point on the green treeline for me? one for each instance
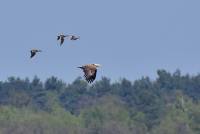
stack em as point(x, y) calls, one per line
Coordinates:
point(168, 105)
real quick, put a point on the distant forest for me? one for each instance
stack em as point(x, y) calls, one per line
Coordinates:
point(168, 105)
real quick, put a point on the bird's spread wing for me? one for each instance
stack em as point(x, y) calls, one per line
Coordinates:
point(32, 54)
point(90, 74)
point(62, 40)
point(58, 37)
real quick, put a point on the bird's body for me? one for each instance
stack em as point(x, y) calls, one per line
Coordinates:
point(90, 71)
point(33, 52)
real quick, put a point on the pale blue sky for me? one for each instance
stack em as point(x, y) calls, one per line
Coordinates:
point(129, 38)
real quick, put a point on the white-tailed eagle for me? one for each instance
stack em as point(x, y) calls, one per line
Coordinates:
point(90, 71)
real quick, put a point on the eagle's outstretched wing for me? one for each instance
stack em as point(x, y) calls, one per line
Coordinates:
point(90, 74)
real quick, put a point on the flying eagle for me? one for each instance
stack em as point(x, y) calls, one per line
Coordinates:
point(34, 51)
point(90, 71)
point(61, 37)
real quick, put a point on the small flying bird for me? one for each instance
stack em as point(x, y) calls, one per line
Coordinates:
point(73, 37)
point(90, 71)
point(34, 51)
point(61, 37)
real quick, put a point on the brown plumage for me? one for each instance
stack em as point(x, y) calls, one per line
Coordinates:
point(90, 71)
point(33, 52)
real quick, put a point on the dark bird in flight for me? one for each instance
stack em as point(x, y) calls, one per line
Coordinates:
point(61, 37)
point(34, 51)
point(73, 37)
point(90, 71)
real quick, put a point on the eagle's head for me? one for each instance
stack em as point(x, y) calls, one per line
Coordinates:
point(97, 65)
